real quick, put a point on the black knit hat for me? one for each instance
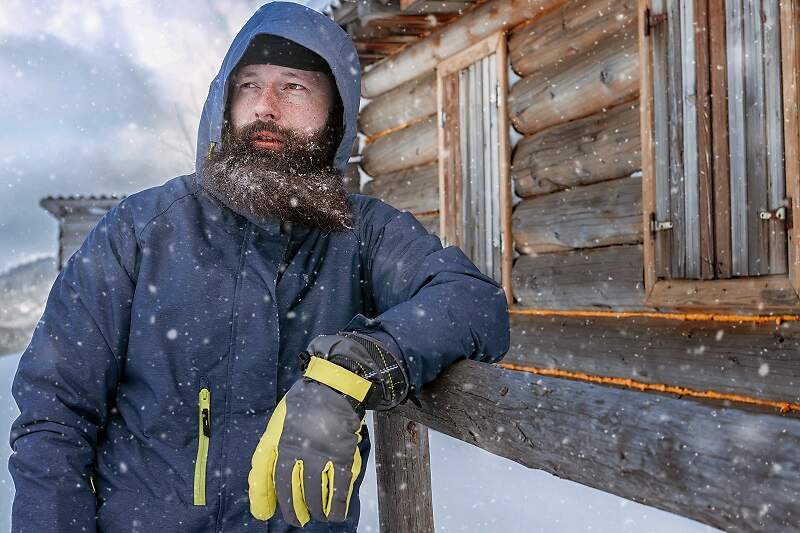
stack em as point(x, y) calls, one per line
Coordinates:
point(275, 50)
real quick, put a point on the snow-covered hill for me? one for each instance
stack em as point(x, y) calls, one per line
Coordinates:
point(23, 292)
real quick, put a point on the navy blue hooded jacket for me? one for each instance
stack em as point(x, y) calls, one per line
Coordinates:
point(172, 292)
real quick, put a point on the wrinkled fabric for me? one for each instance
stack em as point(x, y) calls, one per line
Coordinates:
point(172, 292)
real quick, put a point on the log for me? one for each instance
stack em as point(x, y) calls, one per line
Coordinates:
point(602, 214)
point(600, 147)
point(410, 147)
point(757, 360)
point(403, 463)
point(404, 105)
point(430, 223)
point(602, 278)
point(726, 467)
point(573, 28)
point(415, 190)
point(580, 86)
point(472, 27)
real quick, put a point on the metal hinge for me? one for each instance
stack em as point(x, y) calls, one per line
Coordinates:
point(782, 213)
point(656, 225)
point(442, 119)
point(651, 21)
point(779, 214)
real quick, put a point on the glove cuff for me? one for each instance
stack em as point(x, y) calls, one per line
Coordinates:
point(383, 368)
point(370, 359)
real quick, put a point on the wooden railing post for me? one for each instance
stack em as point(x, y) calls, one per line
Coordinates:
point(402, 460)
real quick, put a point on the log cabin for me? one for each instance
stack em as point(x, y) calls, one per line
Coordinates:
point(628, 170)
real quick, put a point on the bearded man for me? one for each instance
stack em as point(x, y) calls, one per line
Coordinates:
point(208, 355)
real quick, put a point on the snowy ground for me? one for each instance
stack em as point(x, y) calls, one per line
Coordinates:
point(472, 491)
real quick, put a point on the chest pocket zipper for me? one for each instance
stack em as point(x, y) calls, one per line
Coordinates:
point(203, 435)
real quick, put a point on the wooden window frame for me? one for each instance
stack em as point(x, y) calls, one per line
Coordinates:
point(448, 128)
point(774, 293)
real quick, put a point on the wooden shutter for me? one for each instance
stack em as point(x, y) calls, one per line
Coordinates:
point(474, 156)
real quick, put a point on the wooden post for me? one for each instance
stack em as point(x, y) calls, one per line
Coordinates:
point(402, 460)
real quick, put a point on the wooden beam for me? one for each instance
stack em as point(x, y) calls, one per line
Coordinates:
point(790, 67)
point(445, 41)
point(754, 295)
point(573, 28)
point(415, 190)
point(409, 147)
point(407, 104)
point(733, 469)
point(582, 85)
point(601, 278)
point(701, 355)
point(403, 469)
point(719, 136)
point(600, 147)
point(595, 215)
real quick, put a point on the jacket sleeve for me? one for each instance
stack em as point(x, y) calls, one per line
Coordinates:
point(66, 380)
point(433, 305)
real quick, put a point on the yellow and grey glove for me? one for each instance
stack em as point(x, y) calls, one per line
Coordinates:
point(308, 458)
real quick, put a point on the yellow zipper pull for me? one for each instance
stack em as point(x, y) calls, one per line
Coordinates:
point(203, 435)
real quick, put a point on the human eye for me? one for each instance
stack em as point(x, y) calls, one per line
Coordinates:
point(294, 87)
point(248, 85)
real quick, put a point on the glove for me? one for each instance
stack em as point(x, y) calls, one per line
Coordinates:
point(308, 458)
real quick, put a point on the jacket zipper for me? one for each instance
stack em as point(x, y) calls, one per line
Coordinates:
point(203, 436)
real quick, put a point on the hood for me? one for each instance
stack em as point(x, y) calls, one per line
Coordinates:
point(307, 28)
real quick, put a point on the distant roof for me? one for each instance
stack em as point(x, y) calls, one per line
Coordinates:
point(61, 206)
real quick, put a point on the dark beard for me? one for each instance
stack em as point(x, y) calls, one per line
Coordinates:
point(295, 184)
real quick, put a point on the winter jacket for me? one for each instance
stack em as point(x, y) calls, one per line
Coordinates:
point(173, 292)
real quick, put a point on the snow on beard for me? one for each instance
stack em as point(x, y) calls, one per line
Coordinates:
point(294, 183)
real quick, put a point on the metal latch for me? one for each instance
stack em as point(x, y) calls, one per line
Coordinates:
point(651, 21)
point(659, 225)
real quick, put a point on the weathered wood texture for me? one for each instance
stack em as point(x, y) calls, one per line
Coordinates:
point(402, 462)
point(749, 359)
point(733, 469)
point(601, 214)
point(582, 85)
point(469, 29)
point(430, 223)
point(401, 150)
point(573, 28)
point(406, 104)
point(415, 189)
point(600, 147)
point(601, 278)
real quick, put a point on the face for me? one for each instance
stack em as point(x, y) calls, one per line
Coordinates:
point(293, 99)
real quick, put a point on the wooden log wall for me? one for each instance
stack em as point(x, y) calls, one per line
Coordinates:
point(750, 359)
point(579, 223)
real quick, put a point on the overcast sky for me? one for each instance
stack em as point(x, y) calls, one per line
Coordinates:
point(100, 97)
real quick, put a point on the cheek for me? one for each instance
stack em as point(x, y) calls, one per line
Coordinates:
point(241, 108)
point(306, 118)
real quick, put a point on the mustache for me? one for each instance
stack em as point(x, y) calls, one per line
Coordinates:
point(247, 131)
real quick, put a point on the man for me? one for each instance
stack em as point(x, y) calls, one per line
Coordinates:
point(207, 356)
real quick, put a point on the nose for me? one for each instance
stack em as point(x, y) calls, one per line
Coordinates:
point(267, 106)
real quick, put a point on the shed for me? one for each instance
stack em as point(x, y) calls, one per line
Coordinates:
point(76, 216)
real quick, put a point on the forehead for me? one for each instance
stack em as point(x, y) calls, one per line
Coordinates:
point(266, 71)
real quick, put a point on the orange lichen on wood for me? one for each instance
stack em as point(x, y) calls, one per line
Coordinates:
point(783, 407)
point(696, 317)
point(369, 139)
